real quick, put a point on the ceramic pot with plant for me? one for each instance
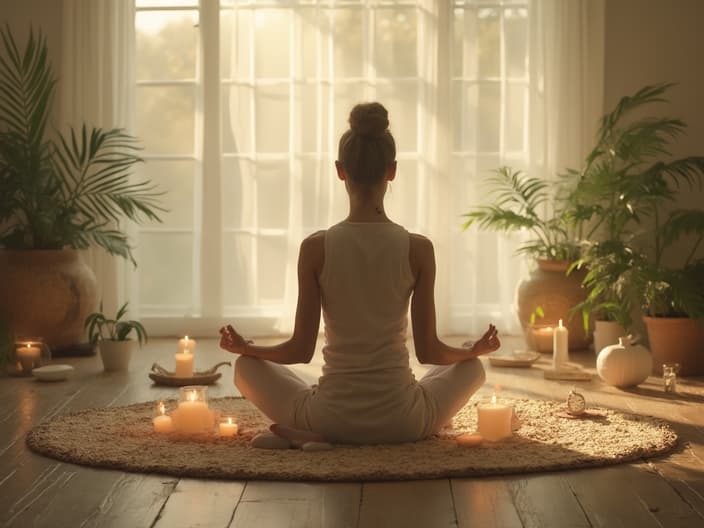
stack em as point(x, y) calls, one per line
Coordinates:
point(59, 193)
point(112, 337)
point(644, 252)
point(553, 288)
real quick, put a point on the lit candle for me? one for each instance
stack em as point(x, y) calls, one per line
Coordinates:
point(494, 420)
point(184, 364)
point(193, 415)
point(542, 338)
point(560, 353)
point(162, 423)
point(28, 356)
point(228, 428)
point(187, 345)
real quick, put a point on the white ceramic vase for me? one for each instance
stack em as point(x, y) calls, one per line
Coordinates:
point(606, 333)
point(116, 355)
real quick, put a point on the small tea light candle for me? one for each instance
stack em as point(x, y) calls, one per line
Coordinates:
point(228, 428)
point(187, 345)
point(162, 422)
point(541, 338)
point(494, 420)
point(28, 356)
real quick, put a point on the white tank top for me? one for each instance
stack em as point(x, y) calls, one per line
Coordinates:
point(366, 283)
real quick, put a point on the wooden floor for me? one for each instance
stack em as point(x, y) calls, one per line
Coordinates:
point(37, 491)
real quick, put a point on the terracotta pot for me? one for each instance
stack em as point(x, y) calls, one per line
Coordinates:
point(116, 355)
point(47, 293)
point(555, 292)
point(676, 340)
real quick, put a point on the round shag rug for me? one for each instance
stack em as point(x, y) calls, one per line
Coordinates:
point(122, 438)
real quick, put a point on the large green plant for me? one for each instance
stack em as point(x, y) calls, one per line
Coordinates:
point(627, 194)
point(521, 202)
point(66, 190)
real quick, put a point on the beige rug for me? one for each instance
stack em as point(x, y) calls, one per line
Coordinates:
point(122, 438)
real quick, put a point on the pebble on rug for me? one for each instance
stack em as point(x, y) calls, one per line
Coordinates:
point(122, 438)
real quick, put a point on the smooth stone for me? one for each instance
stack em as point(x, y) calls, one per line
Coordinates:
point(270, 441)
point(316, 446)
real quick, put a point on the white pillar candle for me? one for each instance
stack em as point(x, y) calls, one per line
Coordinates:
point(560, 353)
point(184, 364)
point(228, 428)
point(162, 422)
point(187, 344)
point(28, 356)
point(494, 420)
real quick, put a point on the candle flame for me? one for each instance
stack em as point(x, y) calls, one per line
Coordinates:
point(229, 420)
point(186, 339)
point(162, 409)
point(28, 345)
point(493, 398)
point(192, 396)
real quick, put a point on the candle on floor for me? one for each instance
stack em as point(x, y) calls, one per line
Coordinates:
point(162, 422)
point(187, 345)
point(28, 356)
point(541, 338)
point(494, 420)
point(193, 414)
point(228, 428)
point(560, 353)
point(184, 365)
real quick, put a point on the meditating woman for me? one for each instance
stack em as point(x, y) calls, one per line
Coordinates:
point(363, 272)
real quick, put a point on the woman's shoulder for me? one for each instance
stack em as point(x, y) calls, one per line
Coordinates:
point(419, 243)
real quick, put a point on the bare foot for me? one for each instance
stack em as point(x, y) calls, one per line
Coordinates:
point(295, 436)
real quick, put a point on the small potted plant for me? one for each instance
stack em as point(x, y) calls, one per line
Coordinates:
point(112, 337)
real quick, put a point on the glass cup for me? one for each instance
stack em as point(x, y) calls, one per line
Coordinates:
point(669, 376)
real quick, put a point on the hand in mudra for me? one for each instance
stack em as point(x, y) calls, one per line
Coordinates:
point(485, 344)
point(231, 341)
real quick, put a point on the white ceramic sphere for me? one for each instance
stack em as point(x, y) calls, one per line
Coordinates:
point(624, 364)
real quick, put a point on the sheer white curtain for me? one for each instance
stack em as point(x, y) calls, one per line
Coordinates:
point(515, 83)
point(96, 88)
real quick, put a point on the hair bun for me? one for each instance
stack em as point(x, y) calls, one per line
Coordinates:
point(369, 119)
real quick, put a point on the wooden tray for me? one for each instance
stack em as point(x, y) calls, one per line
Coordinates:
point(519, 359)
point(161, 376)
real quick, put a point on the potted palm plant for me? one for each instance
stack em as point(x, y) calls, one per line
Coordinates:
point(521, 203)
point(59, 194)
point(112, 337)
point(626, 196)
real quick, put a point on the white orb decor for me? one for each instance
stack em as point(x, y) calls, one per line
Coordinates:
point(624, 364)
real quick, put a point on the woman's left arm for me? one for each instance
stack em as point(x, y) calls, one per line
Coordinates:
point(301, 346)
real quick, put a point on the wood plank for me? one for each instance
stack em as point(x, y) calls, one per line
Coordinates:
point(201, 503)
point(630, 495)
point(546, 500)
point(298, 505)
point(484, 502)
point(404, 504)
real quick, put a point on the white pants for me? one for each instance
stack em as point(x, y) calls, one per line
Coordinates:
point(285, 399)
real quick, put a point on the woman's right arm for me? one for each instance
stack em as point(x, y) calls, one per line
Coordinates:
point(429, 348)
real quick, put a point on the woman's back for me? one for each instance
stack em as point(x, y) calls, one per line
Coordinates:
point(365, 284)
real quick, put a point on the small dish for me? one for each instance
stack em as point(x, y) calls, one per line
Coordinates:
point(53, 372)
point(519, 358)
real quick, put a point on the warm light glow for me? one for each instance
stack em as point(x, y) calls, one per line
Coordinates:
point(229, 420)
point(192, 396)
point(28, 345)
point(493, 398)
point(162, 409)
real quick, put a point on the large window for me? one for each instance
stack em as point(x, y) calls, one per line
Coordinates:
point(240, 105)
